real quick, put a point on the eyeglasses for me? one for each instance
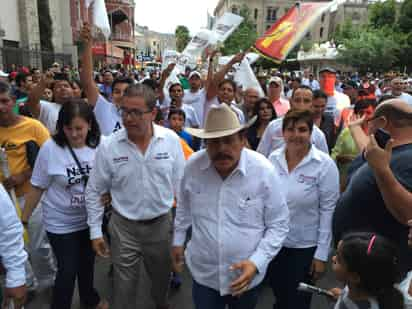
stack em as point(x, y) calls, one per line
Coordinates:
point(135, 113)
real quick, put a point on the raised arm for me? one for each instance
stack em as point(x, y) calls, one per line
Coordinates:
point(358, 135)
point(33, 103)
point(86, 75)
point(398, 200)
point(165, 75)
point(214, 80)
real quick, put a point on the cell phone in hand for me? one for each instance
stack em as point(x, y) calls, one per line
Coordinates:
point(382, 137)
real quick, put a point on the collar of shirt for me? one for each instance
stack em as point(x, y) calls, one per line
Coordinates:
point(158, 133)
point(313, 155)
point(206, 163)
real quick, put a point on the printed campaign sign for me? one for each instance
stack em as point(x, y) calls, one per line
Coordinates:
point(169, 56)
point(225, 26)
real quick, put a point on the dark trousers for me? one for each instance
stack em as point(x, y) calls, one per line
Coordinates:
point(287, 269)
point(207, 298)
point(75, 259)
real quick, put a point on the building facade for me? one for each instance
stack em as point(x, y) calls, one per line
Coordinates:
point(264, 13)
point(120, 48)
point(23, 43)
point(152, 44)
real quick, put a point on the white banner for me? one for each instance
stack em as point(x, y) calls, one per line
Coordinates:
point(169, 56)
point(225, 25)
point(100, 19)
point(245, 77)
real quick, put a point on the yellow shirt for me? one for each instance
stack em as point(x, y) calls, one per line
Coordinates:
point(14, 140)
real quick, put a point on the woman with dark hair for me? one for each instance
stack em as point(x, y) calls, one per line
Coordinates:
point(60, 175)
point(310, 180)
point(265, 114)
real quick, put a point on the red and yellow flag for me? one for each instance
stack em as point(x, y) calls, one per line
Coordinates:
point(282, 37)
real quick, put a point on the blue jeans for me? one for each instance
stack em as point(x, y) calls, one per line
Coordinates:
point(207, 298)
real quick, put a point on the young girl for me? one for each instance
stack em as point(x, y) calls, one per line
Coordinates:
point(367, 264)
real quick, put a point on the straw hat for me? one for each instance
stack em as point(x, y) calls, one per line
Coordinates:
point(220, 121)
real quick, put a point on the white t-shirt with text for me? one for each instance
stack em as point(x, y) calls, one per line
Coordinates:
point(57, 173)
point(107, 116)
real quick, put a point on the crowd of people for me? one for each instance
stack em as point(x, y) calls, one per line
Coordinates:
point(244, 190)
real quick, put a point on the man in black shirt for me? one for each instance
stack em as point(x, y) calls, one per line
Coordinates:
point(378, 197)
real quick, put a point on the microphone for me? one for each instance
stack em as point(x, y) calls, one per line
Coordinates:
point(303, 287)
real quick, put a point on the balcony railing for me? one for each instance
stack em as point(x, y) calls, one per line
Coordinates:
point(131, 2)
point(122, 37)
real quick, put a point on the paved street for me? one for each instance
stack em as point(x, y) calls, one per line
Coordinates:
point(180, 299)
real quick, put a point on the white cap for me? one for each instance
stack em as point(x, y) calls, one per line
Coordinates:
point(276, 79)
point(193, 73)
point(3, 74)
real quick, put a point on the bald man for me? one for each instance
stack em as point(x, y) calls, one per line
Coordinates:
point(397, 87)
point(250, 97)
point(378, 197)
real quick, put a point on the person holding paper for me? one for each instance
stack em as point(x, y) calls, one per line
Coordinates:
point(221, 90)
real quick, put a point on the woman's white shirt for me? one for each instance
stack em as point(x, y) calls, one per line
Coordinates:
point(312, 190)
point(57, 173)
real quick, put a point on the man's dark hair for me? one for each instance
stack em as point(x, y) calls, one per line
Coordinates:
point(151, 83)
point(5, 88)
point(21, 78)
point(174, 85)
point(177, 111)
point(60, 80)
point(397, 117)
point(296, 79)
point(230, 82)
point(293, 116)
point(122, 80)
point(301, 87)
point(319, 94)
point(363, 104)
point(143, 91)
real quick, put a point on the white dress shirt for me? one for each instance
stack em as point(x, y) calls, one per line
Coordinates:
point(272, 138)
point(12, 254)
point(243, 217)
point(142, 186)
point(312, 190)
point(196, 100)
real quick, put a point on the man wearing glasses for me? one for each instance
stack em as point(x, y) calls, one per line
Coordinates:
point(141, 167)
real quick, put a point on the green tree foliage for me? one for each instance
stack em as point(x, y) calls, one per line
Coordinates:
point(182, 37)
point(382, 14)
point(405, 17)
point(243, 37)
point(373, 50)
point(345, 31)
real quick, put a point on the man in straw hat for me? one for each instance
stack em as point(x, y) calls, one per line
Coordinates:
point(230, 196)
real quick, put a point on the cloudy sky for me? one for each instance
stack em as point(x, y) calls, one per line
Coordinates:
point(165, 15)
